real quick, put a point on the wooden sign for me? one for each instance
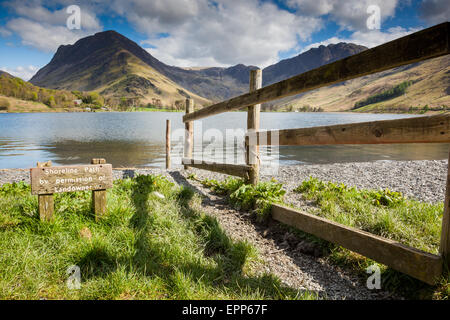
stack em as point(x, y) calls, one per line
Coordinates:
point(47, 180)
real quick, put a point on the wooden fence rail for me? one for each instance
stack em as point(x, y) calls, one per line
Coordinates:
point(424, 266)
point(428, 43)
point(231, 169)
point(428, 129)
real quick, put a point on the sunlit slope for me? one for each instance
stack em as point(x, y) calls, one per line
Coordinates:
point(431, 86)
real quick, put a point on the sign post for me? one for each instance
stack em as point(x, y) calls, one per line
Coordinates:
point(47, 180)
point(45, 201)
point(99, 196)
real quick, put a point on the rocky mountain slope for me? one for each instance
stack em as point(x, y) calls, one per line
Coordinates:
point(114, 65)
point(117, 67)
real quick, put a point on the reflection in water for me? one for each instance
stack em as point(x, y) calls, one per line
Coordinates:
point(137, 139)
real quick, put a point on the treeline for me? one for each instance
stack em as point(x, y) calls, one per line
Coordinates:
point(396, 91)
point(20, 89)
point(269, 107)
point(17, 88)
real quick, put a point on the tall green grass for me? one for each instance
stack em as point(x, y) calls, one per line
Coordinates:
point(146, 247)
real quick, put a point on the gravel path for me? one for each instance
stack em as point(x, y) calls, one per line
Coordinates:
point(297, 263)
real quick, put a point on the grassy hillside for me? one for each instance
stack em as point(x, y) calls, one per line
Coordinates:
point(430, 87)
point(18, 89)
point(128, 77)
point(146, 247)
point(17, 95)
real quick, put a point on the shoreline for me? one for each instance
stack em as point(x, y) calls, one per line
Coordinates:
point(423, 180)
point(428, 113)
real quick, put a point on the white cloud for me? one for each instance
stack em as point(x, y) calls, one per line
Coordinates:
point(370, 38)
point(224, 33)
point(435, 11)
point(45, 29)
point(349, 14)
point(23, 72)
point(5, 32)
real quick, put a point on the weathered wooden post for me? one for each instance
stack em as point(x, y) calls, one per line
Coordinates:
point(45, 201)
point(445, 233)
point(189, 132)
point(167, 144)
point(99, 196)
point(253, 113)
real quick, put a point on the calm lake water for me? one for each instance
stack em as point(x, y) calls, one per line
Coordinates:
point(138, 139)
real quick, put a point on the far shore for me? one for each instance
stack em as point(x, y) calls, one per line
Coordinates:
point(428, 113)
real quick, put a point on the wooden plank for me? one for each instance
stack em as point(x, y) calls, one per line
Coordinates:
point(46, 180)
point(425, 44)
point(444, 248)
point(45, 201)
point(167, 144)
point(99, 196)
point(189, 132)
point(410, 130)
point(253, 113)
point(231, 169)
point(421, 265)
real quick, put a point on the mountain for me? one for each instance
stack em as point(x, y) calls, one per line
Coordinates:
point(311, 59)
point(115, 66)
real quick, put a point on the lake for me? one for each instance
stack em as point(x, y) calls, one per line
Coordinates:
point(137, 139)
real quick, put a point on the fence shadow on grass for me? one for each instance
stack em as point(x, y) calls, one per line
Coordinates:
point(219, 266)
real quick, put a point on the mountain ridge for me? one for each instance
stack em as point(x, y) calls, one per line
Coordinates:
point(71, 68)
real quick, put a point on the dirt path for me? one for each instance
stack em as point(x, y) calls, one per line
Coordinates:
point(297, 263)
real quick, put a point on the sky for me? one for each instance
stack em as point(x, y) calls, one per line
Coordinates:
point(206, 33)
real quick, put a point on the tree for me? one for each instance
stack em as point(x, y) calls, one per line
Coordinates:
point(51, 101)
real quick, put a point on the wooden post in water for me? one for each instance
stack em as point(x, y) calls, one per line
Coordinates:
point(445, 233)
point(45, 201)
point(252, 148)
point(99, 196)
point(189, 132)
point(167, 144)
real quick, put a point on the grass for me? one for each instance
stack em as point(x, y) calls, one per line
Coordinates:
point(385, 213)
point(146, 247)
point(382, 212)
point(246, 196)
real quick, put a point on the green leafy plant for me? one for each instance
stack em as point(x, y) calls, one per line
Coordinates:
point(247, 196)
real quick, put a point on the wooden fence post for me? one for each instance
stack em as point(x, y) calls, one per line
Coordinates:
point(45, 201)
point(189, 132)
point(99, 196)
point(445, 233)
point(167, 144)
point(253, 113)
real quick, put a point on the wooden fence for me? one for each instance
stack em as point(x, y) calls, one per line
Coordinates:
point(426, 44)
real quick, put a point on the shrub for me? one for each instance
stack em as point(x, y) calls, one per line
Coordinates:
point(396, 91)
point(4, 104)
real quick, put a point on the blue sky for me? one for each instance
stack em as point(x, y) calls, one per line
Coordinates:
point(208, 32)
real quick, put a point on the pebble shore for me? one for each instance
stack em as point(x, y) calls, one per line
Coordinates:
point(423, 180)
